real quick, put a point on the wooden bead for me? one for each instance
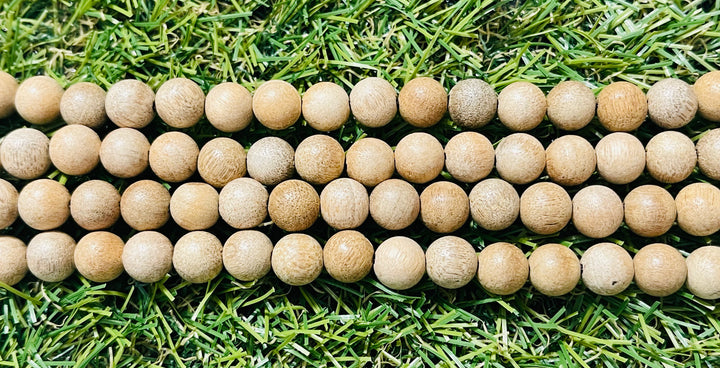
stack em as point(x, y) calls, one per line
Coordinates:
point(145, 205)
point(399, 263)
point(419, 157)
point(570, 160)
point(84, 103)
point(660, 270)
point(277, 104)
point(649, 210)
point(173, 156)
point(472, 103)
point(297, 259)
point(444, 207)
point(37, 100)
point(228, 107)
point(451, 262)
point(373, 102)
point(75, 149)
point(620, 158)
point(25, 153)
point(422, 102)
point(521, 106)
point(571, 105)
point(98, 256)
point(394, 204)
point(554, 269)
point(50, 256)
point(197, 257)
point(370, 161)
point(124, 152)
point(95, 205)
point(622, 107)
point(247, 255)
point(344, 204)
point(44, 204)
point(319, 159)
point(243, 203)
point(502, 268)
point(326, 106)
point(348, 256)
point(494, 204)
point(545, 208)
point(519, 158)
point(607, 269)
point(180, 102)
point(147, 256)
point(672, 103)
point(294, 205)
point(194, 206)
point(129, 104)
point(221, 160)
point(469, 157)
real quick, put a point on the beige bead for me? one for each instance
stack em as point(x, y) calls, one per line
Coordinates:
point(247, 255)
point(545, 208)
point(37, 100)
point(670, 156)
point(50, 256)
point(243, 203)
point(147, 256)
point(422, 102)
point(84, 103)
point(703, 266)
point(419, 157)
point(25, 153)
point(571, 105)
point(197, 257)
point(607, 269)
point(399, 263)
point(319, 159)
point(394, 204)
point(451, 262)
point(570, 160)
point(672, 103)
point(597, 211)
point(554, 269)
point(502, 268)
point(95, 205)
point(194, 206)
point(297, 259)
point(221, 160)
point(444, 207)
point(44, 204)
point(271, 160)
point(698, 209)
point(348, 256)
point(129, 104)
point(622, 107)
point(660, 270)
point(124, 152)
point(173, 156)
point(494, 204)
point(98, 256)
point(326, 106)
point(277, 104)
point(344, 204)
point(649, 210)
point(620, 158)
point(707, 89)
point(708, 154)
point(294, 205)
point(13, 263)
point(8, 204)
point(373, 102)
point(228, 107)
point(469, 157)
point(75, 149)
point(370, 161)
point(8, 88)
point(180, 102)
point(521, 106)
point(472, 103)
point(145, 205)
point(519, 158)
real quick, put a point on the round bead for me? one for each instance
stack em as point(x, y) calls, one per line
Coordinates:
point(394, 204)
point(221, 160)
point(243, 203)
point(370, 161)
point(145, 205)
point(607, 269)
point(344, 204)
point(173, 156)
point(75, 149)
point(571, 105)
point(95, 205)
point(277, 104)
point(554, 269)
point(348, 256)
point(98, 256)
point(419, 157)
point(13, 263)
point(494, 204)
point(50, 256)
point(247, 255)
point(8, 88)
point(197, 257)
point(649, 210)
point(37, 100)
point(180, 102)
point(373, 102)
point(297, 259)
point(622, 107)
point(228, 107)
point(444, 207)
point(620, 158)
point(660, 270)
point(521, 106)
point(672, 103)
point(194, 206)
point(399, 263)
point(469, 157)
point(124, 152)
point(707, 90)
point(147, 256)
point(570, 160)
point(520, 158)
point(670, 156)
point(319, 159)
point(502, 268)
point(326, 106)
point(545, 208)
point(597, 211)
point(451, 262)
point(698, 209)
point(8, 204)
point(472, 103)
point(271, 160)
point(25, 153)
point(703, 266)
point(708, 154)
point(129, 104)
point(44, 204)
point(84, 103)
point(422, 102)
point(294, 205)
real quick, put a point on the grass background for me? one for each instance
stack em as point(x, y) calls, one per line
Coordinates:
point(227, 323)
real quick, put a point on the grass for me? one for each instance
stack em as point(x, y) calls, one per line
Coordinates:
point(227, 323)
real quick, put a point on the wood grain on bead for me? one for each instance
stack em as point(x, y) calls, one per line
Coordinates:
point(707, 90)
point(147, 256)
point(373, 102)
point(8, 204)
point(25, 153)
point(98, 256)
point(502, 268)
point(124, 152)
point(348, 256)
point(325, 106)
point(173, 156)
point(243, 203)
point(319, 159)
point(494, 204)
point(277, 104)
point(297, 259)
point(451, 262)
point(13, 263)
point(419, 157)
point(469, 157)
point(8, 88)
point(698, 209)
point(622, 107)
point(672, 103)
point(84, 103)
point(95, 205)
point(708, 154)
point(444, 207)
point(145, 205)
point(554, 269)
point(660, 270)
point(620, 158)
point(570, 160)
point(472, 103)
point(197, 257)
point(50, 256)
point(394, 204)
point(294, 205)
point(344, 204)
point(129, 104)
point(228, 107)
point(221, 160)
point(545, 208)
point(571, 105)
point(597, 211)
point(607, 269)
point(399, 263)
point(370, 161)
point(194, 206)
point(519, 158)
point(44, 204)
point(703, 266)
point(422, 102)
point(670, 157)
point(75, 149)
point(37, 100)
point(649, 210)
point(271, 160)
point(521, 106)
point(247, 255)
point(180, 102)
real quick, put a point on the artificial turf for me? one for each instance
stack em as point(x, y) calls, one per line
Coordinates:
point(227, 323)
